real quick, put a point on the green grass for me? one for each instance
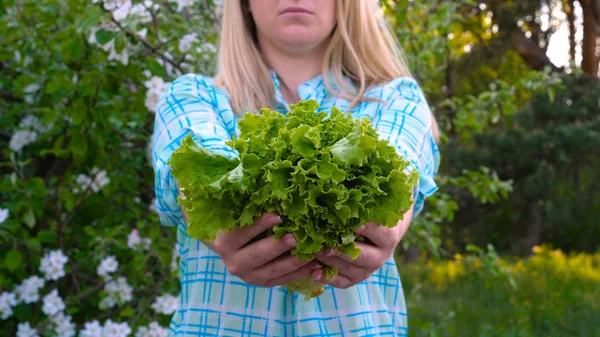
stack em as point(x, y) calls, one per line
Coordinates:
point(554, 296)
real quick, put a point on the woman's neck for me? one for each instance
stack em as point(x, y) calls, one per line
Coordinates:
point(293, 69)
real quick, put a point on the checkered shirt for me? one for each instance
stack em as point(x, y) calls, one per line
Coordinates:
point(213, 302)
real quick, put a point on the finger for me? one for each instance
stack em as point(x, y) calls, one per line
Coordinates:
point(344, 268)
point(338, 281)
point(381, 236)
point(370, 256)
point(296, 275)
point(277, 268)
point(260, 252)
point(239, 237)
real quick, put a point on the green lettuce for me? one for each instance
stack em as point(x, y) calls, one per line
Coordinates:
point(325, 174)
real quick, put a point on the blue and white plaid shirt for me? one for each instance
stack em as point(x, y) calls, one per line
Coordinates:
point(214, 302)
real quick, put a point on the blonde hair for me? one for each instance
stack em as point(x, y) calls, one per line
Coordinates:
point(362, 48)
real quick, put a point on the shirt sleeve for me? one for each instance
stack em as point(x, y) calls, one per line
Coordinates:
point(189, 105)
point(406, 121)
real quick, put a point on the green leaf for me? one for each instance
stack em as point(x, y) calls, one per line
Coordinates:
point(127, 312)
point(89, 21)
point(72, 310)
point(37, 187)
point(474, 249)
point(354, 149)
point(71, 49)
point(78, 145)
point(155, 67)
point(29, 218)
point(89, 230)
point(46, 236)
point(13, 259)
point(104, 36)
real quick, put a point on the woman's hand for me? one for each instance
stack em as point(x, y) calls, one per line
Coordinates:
point(259, 263)
point(383, 241)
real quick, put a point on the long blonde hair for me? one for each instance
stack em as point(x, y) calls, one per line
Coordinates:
point(361, 47)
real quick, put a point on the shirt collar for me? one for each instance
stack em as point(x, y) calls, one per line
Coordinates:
point(314, 88)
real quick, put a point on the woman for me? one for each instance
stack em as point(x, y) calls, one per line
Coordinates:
point(275, 53)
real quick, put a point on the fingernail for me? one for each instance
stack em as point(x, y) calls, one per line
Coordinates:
point(289, 239)
point(317, 274)
point(361, 229)
point(316, 266)
point(276, 218)
point(330, 252)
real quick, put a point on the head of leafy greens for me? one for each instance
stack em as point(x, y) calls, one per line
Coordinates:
point(325, 174)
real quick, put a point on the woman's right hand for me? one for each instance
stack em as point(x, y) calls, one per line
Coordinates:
point(259, 263)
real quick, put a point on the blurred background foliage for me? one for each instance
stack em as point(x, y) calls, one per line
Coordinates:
point(513, 85)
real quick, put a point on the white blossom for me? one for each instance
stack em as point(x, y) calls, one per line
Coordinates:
point(100, 179)
point(142, 33)
point(3, 214)
point(181, 4)
point(52, 265)
point(53, 303)
point(174, 257)
point(118, 291)
point(113, 329)
point(219, 7)
point(107, 265)
point(156, 86)
point(107, 302)
point(21, 138)
point(7, 301)
point(134, 241)
point(91, 329)
point(29, 290)
point(140, 12)
point(83, 181)
point(152, 330)
point(97, 183)
point(185, 43)
point(25, 330)
point(208, 47)
point(31, 122)
point(119, 8)
point(166, 304)
point(29, 90)
point(152, 206)
point(120, 13)
point(122, 57)
point(63, 325)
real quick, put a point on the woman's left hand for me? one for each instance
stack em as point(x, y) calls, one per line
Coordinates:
point(383, 241)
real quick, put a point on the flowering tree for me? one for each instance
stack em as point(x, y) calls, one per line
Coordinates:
point(82, 249)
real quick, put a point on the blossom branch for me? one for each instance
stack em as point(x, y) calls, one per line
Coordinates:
point(148, 45)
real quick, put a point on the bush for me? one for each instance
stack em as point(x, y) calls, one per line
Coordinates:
point(79, 81)
point(551, 294)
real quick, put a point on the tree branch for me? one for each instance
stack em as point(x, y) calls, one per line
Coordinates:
point(148, 45)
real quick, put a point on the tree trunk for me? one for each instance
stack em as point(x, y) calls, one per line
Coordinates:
point(531, 52)
point(570, 10)
point(535, 227)
point(411, 254)
point(589, 64)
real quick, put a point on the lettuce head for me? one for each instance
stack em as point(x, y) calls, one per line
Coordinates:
point(325, 174)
